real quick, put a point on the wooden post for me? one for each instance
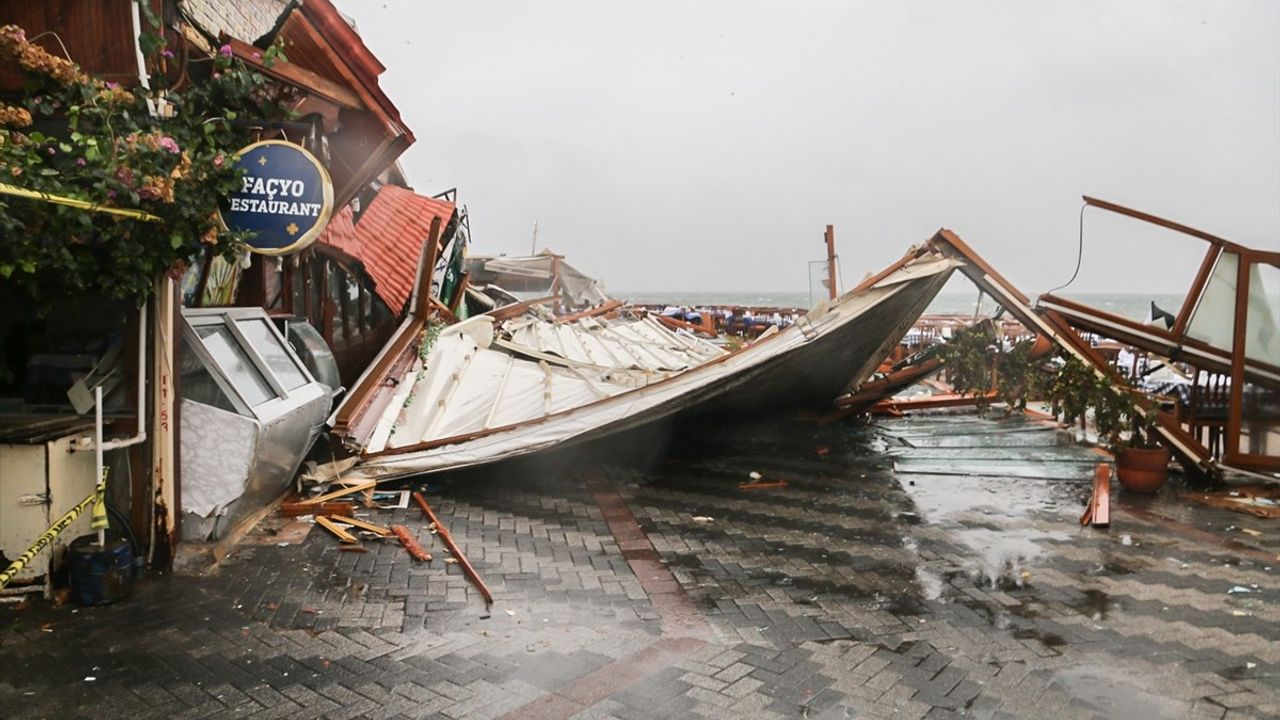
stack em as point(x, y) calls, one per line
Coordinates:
point(831, 261)
point(423, 297)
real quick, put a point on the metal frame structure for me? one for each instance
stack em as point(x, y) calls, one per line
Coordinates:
point(1176, 344)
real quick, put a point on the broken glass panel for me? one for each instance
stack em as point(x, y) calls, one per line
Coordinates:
point(235, 364)
point(267, 344)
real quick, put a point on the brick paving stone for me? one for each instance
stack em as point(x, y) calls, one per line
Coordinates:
point(852, 592)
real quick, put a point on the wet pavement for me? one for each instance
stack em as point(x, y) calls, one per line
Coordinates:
point(914, 568)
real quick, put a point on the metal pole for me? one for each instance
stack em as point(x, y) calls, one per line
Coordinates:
point(97, 449)
point(831, 261)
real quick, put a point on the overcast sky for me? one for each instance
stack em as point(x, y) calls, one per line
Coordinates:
point(699, 145)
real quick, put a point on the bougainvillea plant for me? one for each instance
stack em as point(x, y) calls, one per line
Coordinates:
point(168, 152)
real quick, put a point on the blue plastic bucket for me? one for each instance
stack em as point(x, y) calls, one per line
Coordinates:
point(101, 575)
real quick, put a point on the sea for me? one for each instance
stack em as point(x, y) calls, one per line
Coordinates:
point(1133, 306)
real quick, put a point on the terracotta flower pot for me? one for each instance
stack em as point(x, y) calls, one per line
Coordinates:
point(1142, 470)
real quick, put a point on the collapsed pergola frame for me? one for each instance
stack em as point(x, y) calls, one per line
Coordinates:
point(1061, 321)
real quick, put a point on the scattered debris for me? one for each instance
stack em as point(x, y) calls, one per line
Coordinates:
point(338, 532)
point(1259, 500)
point(702, 519)
point(375, 529)
point(1238, 589)
point(356, 487)
point(353, 548)
point(772, 485)
point(297, 509)
point(391, 499)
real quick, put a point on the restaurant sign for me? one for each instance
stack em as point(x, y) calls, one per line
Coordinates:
point(285, 198)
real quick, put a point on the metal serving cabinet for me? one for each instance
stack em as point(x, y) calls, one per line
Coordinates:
point(250, 412)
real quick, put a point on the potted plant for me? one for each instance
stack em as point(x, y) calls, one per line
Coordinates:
point(1076, 391)
point(978, 362)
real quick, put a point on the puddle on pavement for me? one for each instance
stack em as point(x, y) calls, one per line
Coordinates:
point(1001, 520)
point(1115, 693)
point(1000, 488)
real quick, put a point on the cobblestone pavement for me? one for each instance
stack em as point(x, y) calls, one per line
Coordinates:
point(902, 572)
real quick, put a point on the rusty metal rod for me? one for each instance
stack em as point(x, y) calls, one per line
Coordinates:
point(443, 532)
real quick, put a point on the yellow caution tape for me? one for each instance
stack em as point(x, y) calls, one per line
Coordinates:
point(99, 521)
point(6, 189)
point(54, 530)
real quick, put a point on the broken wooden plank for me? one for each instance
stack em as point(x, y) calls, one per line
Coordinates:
point(930, 402)
point(338, 532)
point(443, 532)
point(355, 522)
point(410, 544)
point(353, 548)
point(1098, 513)
point(349, 490)
point(297, 509)
point(601, 309)
point(773, 485)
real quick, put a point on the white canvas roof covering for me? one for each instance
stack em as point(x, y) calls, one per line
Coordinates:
point(470, 383)
point(581, 289)
point(643, 344)
point(475, 403)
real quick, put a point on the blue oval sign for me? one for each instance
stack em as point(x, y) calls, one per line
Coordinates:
point(285, 198)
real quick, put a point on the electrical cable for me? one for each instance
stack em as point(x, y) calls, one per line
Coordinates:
point(1079, 253)
point(127, 532)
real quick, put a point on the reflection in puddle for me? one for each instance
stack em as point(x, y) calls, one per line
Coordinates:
point(1114, 693)
point(1001, 520)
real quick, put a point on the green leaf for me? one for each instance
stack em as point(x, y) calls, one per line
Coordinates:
point(176, 240)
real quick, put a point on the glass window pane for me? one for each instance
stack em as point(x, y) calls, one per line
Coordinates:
point(243, 374)
point(273, 284)
point(268, 346)
point(315, 312)
point(197, 382)
point(366, 309)
point(1213, 319)
point(352, 304)
point(1262, 331)
point(336, 291)
point(299, 288)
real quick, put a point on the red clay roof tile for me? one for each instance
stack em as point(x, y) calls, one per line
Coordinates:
point(389, 238)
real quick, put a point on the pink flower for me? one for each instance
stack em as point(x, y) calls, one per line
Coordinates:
point(80, 162)
point(225, 51)
point(219, 160)
point(167, 53)
point(52, 151)
point(113, 85)
point(169, 144)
